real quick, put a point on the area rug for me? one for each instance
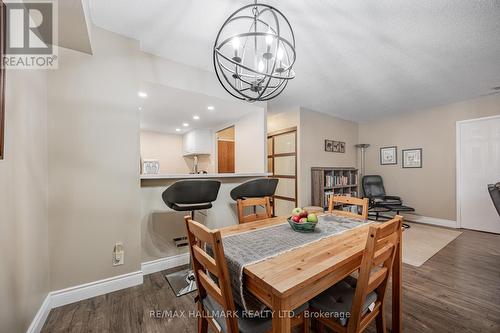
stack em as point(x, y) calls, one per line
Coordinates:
point(421, 242)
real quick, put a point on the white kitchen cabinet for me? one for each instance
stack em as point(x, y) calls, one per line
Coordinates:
point(197, 142)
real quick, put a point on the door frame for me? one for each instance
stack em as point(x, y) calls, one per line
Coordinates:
point(459, 123)
point(295, 154)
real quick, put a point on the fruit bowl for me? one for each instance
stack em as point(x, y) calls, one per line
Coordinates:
point(302, 226)
point(302, 221)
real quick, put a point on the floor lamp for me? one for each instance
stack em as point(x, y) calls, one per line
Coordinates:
point(362, 147)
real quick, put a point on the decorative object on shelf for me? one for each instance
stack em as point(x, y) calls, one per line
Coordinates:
point(334, 146)
point(389, 155)
point(412, 158)
point(254, 53)
point(150, 167)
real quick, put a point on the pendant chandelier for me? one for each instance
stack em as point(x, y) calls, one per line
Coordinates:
point(254, 53)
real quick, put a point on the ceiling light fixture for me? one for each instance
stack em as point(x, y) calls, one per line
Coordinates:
point(142, 94)
point(177, 129)
point(210, 108)
point(185, 124)
point(140, 108)
point(196, 117)
point(255, 63)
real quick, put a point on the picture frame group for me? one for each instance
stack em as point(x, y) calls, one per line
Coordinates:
point(411, 158)
point(334, 146)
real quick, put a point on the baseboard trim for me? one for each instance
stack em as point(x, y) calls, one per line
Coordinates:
point(162, 264)
point(96, 288)
point(431, 220)
point(88, 290)
point(41, 316)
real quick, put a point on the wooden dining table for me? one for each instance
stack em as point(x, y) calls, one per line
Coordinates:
point(290, 279)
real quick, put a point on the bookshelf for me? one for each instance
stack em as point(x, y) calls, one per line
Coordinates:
point(329, 181)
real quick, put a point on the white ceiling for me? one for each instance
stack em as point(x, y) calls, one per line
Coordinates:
point(167, 108)
point(357, 59)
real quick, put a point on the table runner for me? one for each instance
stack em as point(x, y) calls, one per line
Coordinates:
point(251, 247)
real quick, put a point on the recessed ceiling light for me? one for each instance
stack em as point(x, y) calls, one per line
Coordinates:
point(177, 129)
point(185, 124)
point(196, 117)
point(140, 108)
point(142, 94)
point(210, 108)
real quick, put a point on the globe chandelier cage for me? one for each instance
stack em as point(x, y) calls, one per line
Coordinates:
point(254, 53)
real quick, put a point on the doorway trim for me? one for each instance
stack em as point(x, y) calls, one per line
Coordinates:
point(457, 162)
point(295, 154)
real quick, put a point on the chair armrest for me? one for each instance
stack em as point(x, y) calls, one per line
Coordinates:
point(392, 197)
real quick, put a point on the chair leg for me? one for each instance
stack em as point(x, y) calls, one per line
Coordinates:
point(380, 319)
point(307, 324)
point(202, 325)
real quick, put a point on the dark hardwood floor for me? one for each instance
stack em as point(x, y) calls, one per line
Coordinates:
point(458, 290)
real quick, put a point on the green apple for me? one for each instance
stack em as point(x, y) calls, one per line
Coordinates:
point(296, 211)
point(312, 218)
point(303, 220)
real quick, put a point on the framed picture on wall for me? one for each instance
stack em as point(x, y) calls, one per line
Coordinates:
point(389, 155)
point(412, 158)
point(329, 145)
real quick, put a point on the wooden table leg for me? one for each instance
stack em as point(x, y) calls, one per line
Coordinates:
point(397, 289)
point(281, 316)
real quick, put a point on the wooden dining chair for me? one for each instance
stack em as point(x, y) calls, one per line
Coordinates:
point(254, 203)
point(363, 298)
point(339, 199)
point(214, 287)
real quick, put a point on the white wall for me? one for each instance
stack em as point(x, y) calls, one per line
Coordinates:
point(167, 149)
point(94, 194)
point(431, 190)
point(250, 143)
point(24, 257)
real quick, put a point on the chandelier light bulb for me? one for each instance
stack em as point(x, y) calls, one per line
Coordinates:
point(260, 67)
point(279, 54)
point(236, 43)
point(269, 38)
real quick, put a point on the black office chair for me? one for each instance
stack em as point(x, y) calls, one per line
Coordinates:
point(494, 190)
point(256, 188)
point(373, 189)
point(188, 195)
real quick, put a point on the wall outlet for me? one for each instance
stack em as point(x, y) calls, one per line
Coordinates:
point(118, 254)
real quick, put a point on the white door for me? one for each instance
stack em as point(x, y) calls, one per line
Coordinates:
point(478, 164)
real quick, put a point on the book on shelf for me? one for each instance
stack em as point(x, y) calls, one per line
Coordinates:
point(332, 180)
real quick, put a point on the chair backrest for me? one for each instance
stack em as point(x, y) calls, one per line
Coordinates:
point(335, 200)
point(376, 265)
point(255, 188)
point(191, 192)
point(206, 267)
point(494, 190)
point(373, 186)
point(254, 203)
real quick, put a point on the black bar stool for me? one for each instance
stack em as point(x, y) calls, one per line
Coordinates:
point(256, 188)
point(189, 195)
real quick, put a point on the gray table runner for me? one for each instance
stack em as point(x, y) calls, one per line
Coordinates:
point(257, 245)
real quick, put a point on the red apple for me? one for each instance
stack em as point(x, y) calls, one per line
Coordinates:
point(303, 220)
point(296, 219)
point(304, 213)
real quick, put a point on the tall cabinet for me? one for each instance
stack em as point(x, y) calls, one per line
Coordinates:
point(326, 182)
